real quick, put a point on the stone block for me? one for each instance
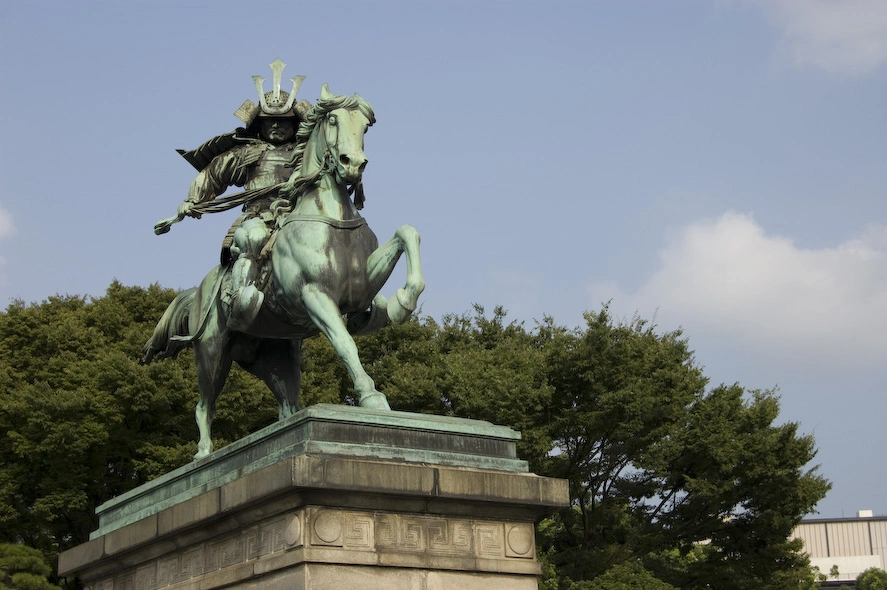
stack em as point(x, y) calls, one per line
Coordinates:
point(280, 562)
point(132, 535)
point(378, 476)
point(301, 507)
point(331, 577)
point(324, 431)
point(188, 513)
point(462, 581)
point(81, 555)
point(291, 579)
point(256, 486)
point(227, 577)
point(554, 492)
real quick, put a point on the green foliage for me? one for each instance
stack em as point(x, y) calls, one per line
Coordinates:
point(672, 484)
point(470, 366)
point(82, 421)
point(23, 568)
point(872, 579)
point(549, 579)
point(620, 390)
point(658, 467)
point(625, 576)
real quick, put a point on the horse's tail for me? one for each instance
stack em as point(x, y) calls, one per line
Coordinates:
point(171, 336)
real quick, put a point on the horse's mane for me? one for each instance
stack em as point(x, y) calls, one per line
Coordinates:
point(314, 117)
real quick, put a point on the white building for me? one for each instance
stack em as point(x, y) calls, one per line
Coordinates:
point(851, 544)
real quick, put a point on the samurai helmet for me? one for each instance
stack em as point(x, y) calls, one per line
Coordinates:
point(277, 103)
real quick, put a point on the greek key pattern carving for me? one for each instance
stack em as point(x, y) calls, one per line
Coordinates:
point(146, 578)
point(359, 532)
point(433, 535)
point(450, 537)
point(335, 529)
point(489, 540)
point(399, 532)
point(251, 543)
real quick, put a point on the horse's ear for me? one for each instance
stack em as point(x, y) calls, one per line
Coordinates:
point(358, 97)
point(325, 93)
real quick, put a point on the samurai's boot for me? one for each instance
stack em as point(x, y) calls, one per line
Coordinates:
point(247, 299)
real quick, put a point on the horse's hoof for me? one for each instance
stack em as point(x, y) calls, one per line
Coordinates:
point(375, 401)
point(398, 310)
point(368, 322)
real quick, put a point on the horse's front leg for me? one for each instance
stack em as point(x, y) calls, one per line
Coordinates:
point(279, 364)
point(213, 364)
point(406, 298)
point(380, 265)
point(325, 314)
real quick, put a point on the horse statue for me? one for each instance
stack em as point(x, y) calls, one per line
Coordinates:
point(327, 269)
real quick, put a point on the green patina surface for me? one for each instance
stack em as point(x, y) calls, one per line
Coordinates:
point(301, 260)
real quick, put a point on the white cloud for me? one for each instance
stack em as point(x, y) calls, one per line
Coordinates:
point(728, 278)
point(838, 36)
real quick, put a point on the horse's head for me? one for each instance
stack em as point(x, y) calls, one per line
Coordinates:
point(329, 144)
point(332, 138)
point(346, 122)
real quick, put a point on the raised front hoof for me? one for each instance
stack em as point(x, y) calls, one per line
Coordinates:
point(368, 322)
point(400, 307)
point(375, 401)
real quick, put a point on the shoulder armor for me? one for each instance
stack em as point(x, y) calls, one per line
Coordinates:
point(203, 155)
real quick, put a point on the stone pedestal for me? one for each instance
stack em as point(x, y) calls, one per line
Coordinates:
point(334, 497)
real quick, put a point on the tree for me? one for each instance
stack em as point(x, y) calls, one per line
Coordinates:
point(470, 366)
point(671, 482)
point(656, 464)
point(23, 568)
point(619, 390)
point(82, 421)
point(626, 576)
point(872, 579)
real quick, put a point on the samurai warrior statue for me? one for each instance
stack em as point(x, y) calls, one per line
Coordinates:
point(256, 157)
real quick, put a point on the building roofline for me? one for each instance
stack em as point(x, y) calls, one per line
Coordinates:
point(844, 519)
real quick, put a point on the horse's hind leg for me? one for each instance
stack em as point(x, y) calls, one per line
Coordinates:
point(279, 364)
point(325, 314)
point(213, 364)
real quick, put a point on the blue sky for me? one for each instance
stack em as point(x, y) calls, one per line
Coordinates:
point(717, 166)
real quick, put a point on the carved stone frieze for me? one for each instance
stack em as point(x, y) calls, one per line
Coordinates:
point(248, 544)
point(383, 533)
